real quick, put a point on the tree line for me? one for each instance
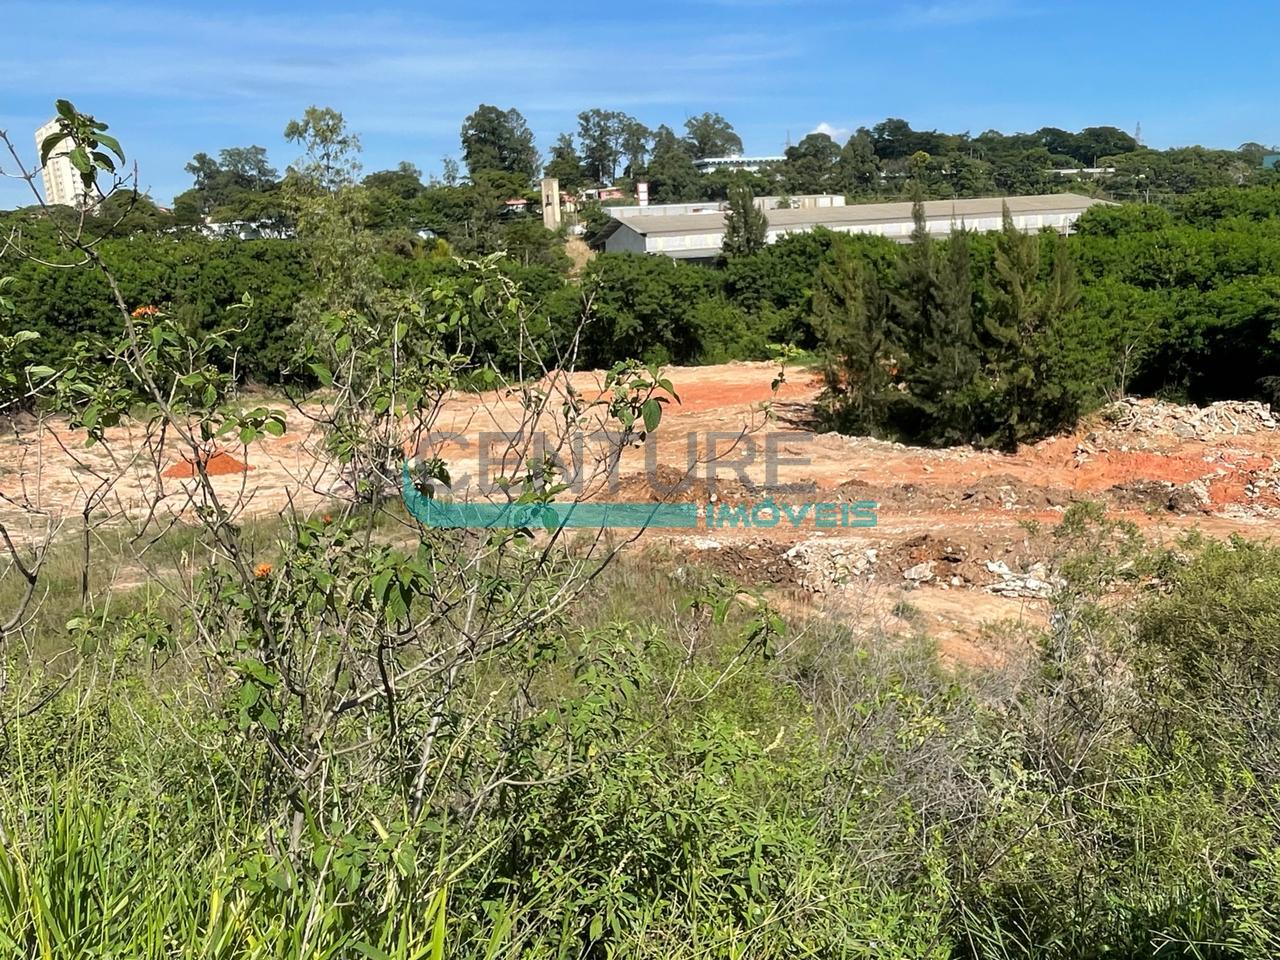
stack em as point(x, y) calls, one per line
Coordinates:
point(990, 338)
point(467, 204)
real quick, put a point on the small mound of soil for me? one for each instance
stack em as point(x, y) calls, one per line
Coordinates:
point(217, 464)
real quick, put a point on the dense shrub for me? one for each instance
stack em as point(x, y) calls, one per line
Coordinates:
point(1111, 793)
point(1175, 301)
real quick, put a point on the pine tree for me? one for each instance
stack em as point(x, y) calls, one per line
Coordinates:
point(916, 309)
point(1024, 323)
point(746, 227)
point(951, 358)
point(915, 300)
point(933, 322)
point(849, 315)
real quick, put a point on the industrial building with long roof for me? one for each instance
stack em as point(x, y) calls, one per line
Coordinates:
point(699, 236)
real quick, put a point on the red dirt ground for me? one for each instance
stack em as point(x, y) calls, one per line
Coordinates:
point(974, 504)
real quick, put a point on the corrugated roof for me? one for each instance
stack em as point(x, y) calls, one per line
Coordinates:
point(870, 213)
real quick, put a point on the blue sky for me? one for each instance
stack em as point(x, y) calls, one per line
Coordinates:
point(173, 78)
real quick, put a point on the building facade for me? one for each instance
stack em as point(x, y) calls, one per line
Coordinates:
point(699, 236)
point(749, 164)
point(61, 180)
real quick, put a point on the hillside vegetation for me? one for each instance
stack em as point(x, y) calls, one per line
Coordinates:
point(343, 734)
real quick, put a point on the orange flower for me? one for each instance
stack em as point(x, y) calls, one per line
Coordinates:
point(327, 518)
point(262, 570)
point(146, 311)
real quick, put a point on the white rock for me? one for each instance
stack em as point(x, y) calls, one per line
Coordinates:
point(920, 573)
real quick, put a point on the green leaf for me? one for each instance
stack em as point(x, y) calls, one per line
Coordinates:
point(50, 144)
point(652, 413)
point(112, 144)
point(269, 719)
point(322, 373)
point(441, 907)
point(80, 160)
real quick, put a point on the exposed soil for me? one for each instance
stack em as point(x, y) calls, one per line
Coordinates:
point(217, 464)
point(960, 538)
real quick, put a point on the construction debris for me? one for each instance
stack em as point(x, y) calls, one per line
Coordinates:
point(1225, 418)
point(821, 564)
point(1036, 583)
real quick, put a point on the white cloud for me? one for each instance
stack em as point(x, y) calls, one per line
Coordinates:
point(838, 134)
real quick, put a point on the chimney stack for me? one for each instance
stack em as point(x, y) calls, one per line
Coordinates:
point(551, 216)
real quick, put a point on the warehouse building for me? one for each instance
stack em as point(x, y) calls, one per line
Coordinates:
point(698, 236)
point(808, 201)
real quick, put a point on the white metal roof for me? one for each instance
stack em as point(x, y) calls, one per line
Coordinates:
point(870, 213)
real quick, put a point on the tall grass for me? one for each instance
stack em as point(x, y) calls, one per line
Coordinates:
point(841, 794)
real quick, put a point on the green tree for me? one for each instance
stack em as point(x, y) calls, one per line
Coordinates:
point(810, 166)
point(1091, 144)
point(746, 226)
point(404, 182)
point(494, 139)
point(601, 134)
point(636, 140)
point(917, 292)
point(1024, 322)
point(943, 379)
point(125, 213)
point(449, 174)
point(643, 307)
point(331, 158)
point(711, 135)
point(673, 178)
point(223, 183)
point(966, 176)
point(849, 316)
point(248, 167)
point(858, 167)
point(331, 212)
point(391, 197)
point(895, 140)
point(565, 163)
point(1026, 173)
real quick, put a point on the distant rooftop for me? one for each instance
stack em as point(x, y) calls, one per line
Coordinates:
point(808, 200)
point(736, 163)
point(859, 214)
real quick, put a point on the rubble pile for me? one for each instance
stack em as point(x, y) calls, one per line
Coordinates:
point(1226, 418)
point(1037, 583)
point(823, 564)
